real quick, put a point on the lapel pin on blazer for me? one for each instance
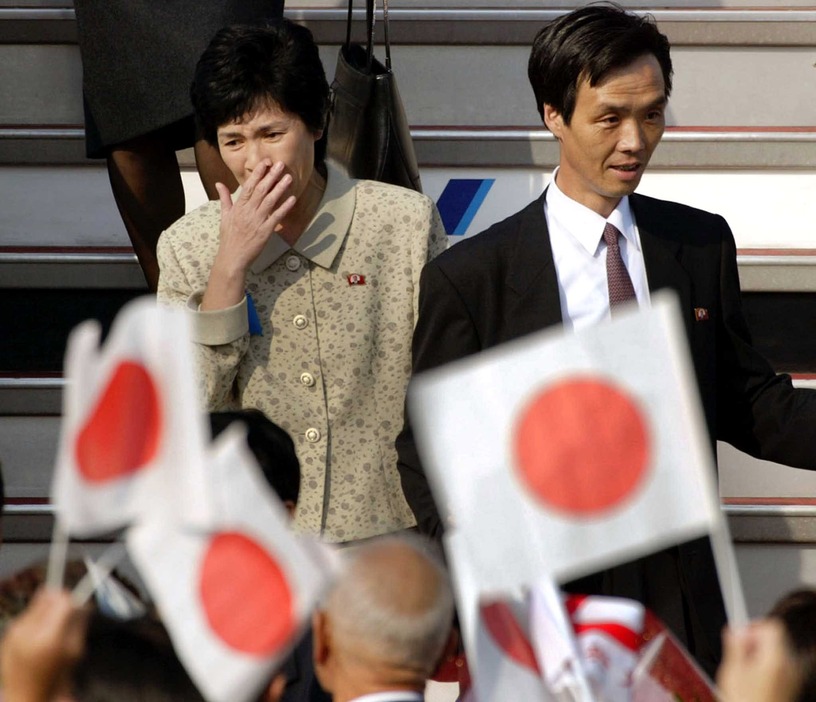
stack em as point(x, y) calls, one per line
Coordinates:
point(356, 279)
point(701, 314)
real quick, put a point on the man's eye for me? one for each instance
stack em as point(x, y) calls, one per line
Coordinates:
point(611, 119)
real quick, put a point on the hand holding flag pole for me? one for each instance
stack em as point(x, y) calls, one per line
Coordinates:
point(133, 437)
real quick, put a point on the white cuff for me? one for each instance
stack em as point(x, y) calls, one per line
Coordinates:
point(216, 327)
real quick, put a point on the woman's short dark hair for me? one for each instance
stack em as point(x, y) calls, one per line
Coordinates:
point(272, 447)
point(585, 45)
point(246, 67)
point(797, 611)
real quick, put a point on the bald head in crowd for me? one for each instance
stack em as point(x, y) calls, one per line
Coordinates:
point(386, 622)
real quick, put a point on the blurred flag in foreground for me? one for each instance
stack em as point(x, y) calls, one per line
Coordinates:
point(133, 435)
point(563, 455)
point(236, 596)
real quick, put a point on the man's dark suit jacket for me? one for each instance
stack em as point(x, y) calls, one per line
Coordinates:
point(501, 284)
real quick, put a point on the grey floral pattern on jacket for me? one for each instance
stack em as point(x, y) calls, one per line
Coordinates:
point(333, 357)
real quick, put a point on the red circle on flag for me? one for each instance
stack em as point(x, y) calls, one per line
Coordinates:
point(245, 596)
point(123, 432)
point(582, 446)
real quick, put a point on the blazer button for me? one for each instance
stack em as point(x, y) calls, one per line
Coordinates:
point(300, 321)
point(293, 263)
point(312, 435)
point(307, 379)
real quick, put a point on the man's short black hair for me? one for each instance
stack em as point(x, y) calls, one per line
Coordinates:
point(585, 45)
point(797, 611)
point(245, 68)
point(272, 447)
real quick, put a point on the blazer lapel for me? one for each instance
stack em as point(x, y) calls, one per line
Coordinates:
point(533, 297)
point(662, 246)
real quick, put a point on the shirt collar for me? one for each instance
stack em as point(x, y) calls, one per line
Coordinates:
point(322, 239)
point(586, 225)
point(396, 696)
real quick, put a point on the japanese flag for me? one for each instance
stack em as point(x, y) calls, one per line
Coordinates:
point(133, 436)
point(500, 655)
point(234, 597)
point(566, 454)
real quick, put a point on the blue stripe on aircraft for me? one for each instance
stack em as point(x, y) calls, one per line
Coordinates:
point(460, 201)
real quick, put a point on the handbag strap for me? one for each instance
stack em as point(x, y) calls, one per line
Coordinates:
point(371, 8)
point(385, 33)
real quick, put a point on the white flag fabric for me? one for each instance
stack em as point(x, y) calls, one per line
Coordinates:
point(133, 435)
point(565, 454)
point(235, 597)
point(553, 639)
point(500, 655)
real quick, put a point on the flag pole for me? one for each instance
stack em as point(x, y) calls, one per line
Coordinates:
point(97, 573)
point(57, 556)
point(735, 609)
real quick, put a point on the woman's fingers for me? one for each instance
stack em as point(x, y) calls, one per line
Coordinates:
point(224, 196)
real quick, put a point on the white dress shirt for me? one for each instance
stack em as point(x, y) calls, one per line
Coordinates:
point(390, 697)
point(579, 253)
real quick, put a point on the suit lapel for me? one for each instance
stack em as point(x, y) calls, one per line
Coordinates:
point(661, 240)
point(534, 300)
point(532, 283)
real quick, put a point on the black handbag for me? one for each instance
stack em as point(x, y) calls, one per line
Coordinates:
point(368, 134)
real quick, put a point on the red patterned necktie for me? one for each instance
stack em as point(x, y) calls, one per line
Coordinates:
point(617, 277)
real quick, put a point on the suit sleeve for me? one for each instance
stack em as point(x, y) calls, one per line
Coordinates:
point(759, 411)
point(444, 332)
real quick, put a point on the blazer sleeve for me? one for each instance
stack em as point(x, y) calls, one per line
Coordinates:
point(445, 331)
point(220, 338)
point(759, 411)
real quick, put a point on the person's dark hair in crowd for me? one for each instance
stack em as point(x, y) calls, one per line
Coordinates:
point(588, 44)
point(797, 611)
point(272, 447)
point(242, 70)
point(130, 661)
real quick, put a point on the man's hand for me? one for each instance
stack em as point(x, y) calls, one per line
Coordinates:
point(41, 647)
point(246, 226)
point(758, 665)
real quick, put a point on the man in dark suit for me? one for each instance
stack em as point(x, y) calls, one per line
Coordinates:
point(385, 624)
point(602, 79)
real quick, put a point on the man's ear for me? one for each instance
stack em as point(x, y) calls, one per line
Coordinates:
point(553, 120)
point(322, 650)
point(275, 690)
point(321, 643)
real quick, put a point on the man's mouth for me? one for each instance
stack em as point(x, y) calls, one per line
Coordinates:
point(628, 168)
